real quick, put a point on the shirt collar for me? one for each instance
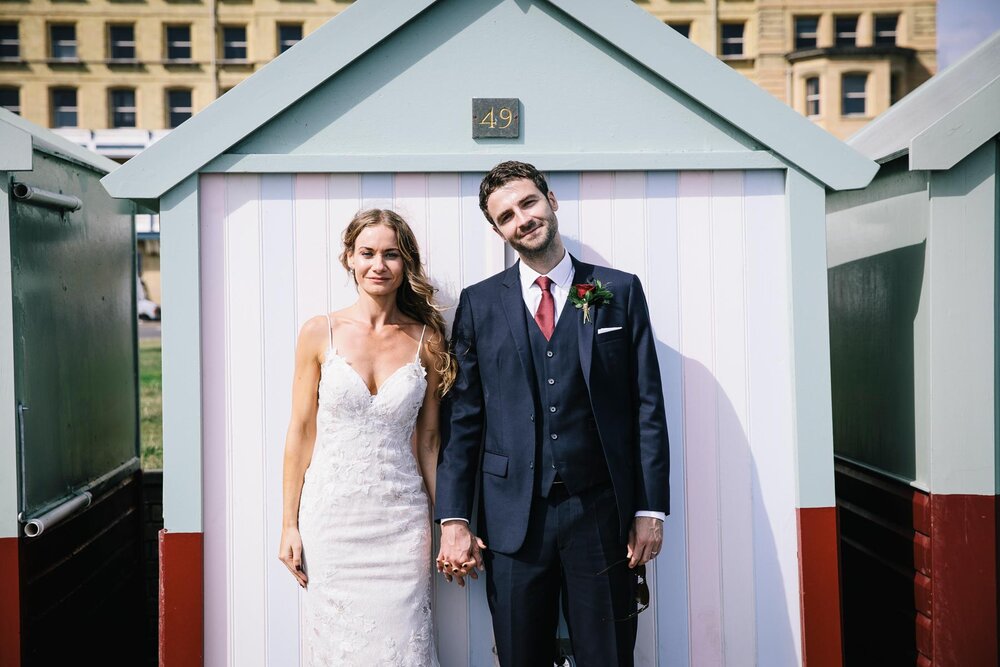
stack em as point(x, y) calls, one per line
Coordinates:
point(561, 274)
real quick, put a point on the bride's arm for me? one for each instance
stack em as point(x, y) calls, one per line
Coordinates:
point(300, 439)
point(427, 434)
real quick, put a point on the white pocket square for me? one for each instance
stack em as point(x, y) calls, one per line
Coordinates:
point(604, 330)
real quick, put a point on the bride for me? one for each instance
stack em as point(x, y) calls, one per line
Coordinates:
point(360, 457)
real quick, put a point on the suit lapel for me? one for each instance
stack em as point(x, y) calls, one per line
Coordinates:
point(583, 273)
point(513, 307)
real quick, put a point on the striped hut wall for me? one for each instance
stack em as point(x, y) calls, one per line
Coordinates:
point(711, 250)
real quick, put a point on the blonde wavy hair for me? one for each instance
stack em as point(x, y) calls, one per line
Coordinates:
point(415, 296)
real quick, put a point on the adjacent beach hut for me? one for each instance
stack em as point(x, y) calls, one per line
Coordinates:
point(666, 162)
point(913, 308)
point(70, 551)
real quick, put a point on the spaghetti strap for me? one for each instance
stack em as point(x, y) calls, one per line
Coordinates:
point(416, 357)
point(329, 332)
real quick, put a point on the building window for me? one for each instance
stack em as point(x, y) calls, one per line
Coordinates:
point(846, 28)
point(64, 107)
point(10, 42)
point(62, 41)
point(178, 107)
point(178, 42)
point(683, 28)
point(10, 99)
point(885, 30)
point(812, 97)
point(852, 88)
point(895, 87)
point(288, 36)
point(805, 32)
point(121, 42)
point(123, 107)
point(234, 42)
point(732, 40)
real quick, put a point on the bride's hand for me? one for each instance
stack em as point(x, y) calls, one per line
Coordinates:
point(290, 553)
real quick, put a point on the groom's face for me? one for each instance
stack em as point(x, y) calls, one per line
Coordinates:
point(523, 216)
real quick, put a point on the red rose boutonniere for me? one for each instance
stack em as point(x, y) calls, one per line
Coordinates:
point(587, 295)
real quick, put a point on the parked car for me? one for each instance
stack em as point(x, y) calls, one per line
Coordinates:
point(145, 308)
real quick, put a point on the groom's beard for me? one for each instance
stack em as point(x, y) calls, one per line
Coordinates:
point(541, 247)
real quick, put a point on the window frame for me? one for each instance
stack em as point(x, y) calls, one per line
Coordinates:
point(724, 41)
point(814, 97)
point(797, 34)
point(8, 42)
point(225, 45)
point(838, 33)
point(876, 32)
point(281, 41)
point(112, 44)
point(167, 43)
point(170, 108)
point(55, 110)
point(677, 25)
point(846, 96)
point(114, 111)
point(16, 109)
point(65, 43)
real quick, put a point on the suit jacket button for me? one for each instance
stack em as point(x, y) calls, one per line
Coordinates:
point(531, 464)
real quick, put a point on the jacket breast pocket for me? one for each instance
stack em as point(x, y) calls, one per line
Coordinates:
point(494, 464)
point(612, 336)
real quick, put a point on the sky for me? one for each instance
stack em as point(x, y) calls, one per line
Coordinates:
point(962, 25)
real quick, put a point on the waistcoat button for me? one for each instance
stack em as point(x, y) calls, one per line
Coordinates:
point(555, 437)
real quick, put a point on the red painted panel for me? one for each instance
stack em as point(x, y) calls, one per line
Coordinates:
point(819, 577)
point(964, 544)
point(922, 553)
point(924, 637)
point(922, 594)
point(921, 512)
point(10, 603)
point(182, 624)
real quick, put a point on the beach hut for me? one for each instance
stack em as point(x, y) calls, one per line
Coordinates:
point(70, 550)
point(666, 162)
point(913, 308)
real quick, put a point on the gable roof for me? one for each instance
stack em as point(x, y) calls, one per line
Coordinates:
point(19, 136)
point(943, 120)
point(361, 27)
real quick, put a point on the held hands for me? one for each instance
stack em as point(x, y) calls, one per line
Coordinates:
point(290, 553)
point(461, 552)
point(645, 539)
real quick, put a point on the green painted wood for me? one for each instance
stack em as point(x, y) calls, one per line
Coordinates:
point(181, 331)
point(8, 415)
point(962, 130)
point(396, 77)
point(879, 323)
point(73, 287)
point(231, 163)
point(806, 228)
point(16, 153)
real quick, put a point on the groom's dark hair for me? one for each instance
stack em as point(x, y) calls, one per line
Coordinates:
point(504, 173)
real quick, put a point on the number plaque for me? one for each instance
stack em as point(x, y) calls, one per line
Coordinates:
point(496, 117)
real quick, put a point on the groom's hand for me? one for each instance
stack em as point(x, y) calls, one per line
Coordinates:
point(645, 540)
point(460, 553)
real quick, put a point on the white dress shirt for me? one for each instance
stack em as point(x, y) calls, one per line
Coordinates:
point(562, 280)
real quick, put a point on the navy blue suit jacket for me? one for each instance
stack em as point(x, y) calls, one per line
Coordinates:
point(491, 429)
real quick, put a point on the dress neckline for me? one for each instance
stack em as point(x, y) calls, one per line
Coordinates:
point(331, 353)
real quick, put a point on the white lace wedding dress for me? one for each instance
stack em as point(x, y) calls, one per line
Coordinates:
point(365, 525)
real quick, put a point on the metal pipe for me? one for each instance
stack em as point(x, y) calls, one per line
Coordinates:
point(21, 409)
point(77, 503)
point(81, 499)
point(38, 197)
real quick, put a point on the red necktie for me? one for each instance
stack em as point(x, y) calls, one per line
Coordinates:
point(545, 316)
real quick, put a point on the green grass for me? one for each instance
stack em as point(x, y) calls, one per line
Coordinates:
point(150, 404)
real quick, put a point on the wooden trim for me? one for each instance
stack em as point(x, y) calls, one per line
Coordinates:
point(819, 577)
point(181, 600)
point(233, 163)
point(10, 603)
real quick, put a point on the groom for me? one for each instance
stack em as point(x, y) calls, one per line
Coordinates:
point(557, 413)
